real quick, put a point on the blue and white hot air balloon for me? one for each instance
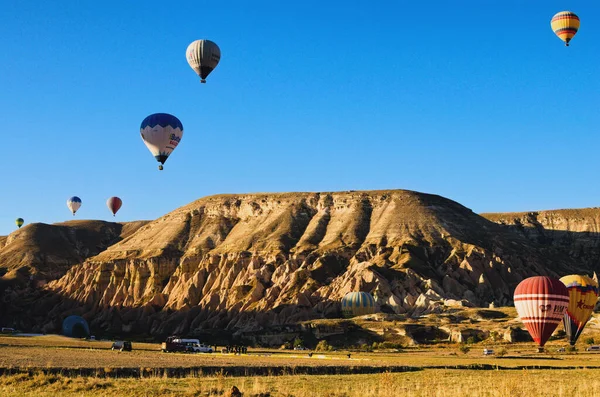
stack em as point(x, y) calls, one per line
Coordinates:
point(74, 203)
point(161, 133)
point(358, 304)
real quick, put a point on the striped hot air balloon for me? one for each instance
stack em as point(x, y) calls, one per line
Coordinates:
point(357, 304)
point(541, 303)
point(203, 56)
point(565, 25)
point(583, 295)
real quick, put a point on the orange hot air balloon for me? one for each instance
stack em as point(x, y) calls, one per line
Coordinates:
point(541, 303)
point(583, 292)
point(114, 204)
point(565, 25)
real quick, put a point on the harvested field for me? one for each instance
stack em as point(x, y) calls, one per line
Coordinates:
point(79, 357)
point(424, 383)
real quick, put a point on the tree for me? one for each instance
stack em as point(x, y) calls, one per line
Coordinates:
point(298, 342)
point(464, 349)
point(323, 346)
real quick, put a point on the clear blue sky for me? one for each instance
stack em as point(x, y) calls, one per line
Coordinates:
point(482, 104)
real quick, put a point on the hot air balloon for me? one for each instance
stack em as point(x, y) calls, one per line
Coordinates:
point(203, 56)
point(161, 133)
point(541, 303)
point(74, 203)
point(357, 304)
point(583, 293)
point(19, 222)
point(75, 327)
point(113, 204)
point(565, 25)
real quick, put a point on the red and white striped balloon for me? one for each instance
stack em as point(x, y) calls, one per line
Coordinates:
point(541, 303)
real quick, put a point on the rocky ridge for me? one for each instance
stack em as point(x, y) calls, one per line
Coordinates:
point(248, 262)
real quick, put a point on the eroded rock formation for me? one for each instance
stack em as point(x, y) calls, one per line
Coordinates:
point(248, 262)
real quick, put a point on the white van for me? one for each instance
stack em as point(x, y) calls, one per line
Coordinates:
point(194, 345)
point(593, 348)
point(488, 352)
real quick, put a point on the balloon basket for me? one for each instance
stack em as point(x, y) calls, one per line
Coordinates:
point(540, 349)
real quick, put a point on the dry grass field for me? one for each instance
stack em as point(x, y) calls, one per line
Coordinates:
point(426, 383)
point(436, 376)
point(54, 351)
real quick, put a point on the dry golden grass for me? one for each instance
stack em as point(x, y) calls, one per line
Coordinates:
point(61, 352)
point(426, 383)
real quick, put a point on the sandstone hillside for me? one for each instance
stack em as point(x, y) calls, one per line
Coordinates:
point(245, 263)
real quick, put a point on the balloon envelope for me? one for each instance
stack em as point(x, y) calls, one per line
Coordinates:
point(203, 56)
point(113, 204)
point(19, 222)
point(161, 132)
point(75, 327)
point(583, 295)
point(565, 25)
point(357, 304)
point(541, 303)
point(74, 203)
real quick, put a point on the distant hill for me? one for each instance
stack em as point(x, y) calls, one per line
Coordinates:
point(48, 251)
point(250, 262)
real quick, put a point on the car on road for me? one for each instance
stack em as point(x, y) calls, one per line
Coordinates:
point(300, 348)
point(593, 348)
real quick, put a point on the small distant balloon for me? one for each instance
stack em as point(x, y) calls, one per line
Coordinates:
point(74, 203)
point(357, 304)
point(161, 132)
point(19, 222)
point(113, 204)
point(565, 25)
point(203, 56)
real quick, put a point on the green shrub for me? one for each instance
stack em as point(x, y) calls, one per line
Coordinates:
point(322, 346)
point(589, 341)
point(464, 349)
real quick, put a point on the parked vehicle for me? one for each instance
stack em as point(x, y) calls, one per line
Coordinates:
point(488, 352)
point(6, 330)
point(121, 345)
point(176, 344)
point(593, 348)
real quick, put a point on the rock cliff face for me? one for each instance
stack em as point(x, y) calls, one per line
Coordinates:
point(248, 262)
point(574, 232)
point(46, 252)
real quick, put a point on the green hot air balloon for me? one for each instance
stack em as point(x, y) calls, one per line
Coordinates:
point(19, 222)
